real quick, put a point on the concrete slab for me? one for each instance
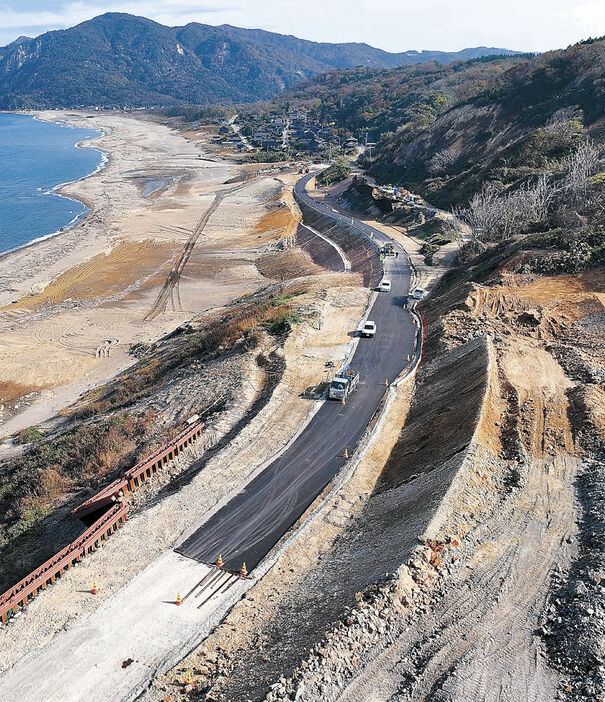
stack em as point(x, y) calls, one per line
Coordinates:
point(140, 622)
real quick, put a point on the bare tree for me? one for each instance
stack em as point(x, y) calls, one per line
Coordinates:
point(441, 161)
point(582, 164)
point(496, 217)
point(483, 212)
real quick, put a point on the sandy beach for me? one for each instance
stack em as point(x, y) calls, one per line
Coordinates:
point(72, 305)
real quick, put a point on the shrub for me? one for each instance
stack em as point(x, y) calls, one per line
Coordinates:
point(574, 252)
point(335, 173)
point(31, 483)
point(29, 435)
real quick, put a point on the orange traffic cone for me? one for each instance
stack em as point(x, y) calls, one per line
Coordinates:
point(95, 589)
point(179, 599)
point(244, 571)
point(346, 453)
point(219, 561)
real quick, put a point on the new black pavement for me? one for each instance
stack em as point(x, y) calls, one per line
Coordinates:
point(248, 526)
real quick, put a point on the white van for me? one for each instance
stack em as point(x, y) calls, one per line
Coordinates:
point(385, 286)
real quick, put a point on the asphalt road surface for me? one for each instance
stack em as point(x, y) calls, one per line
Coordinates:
point(248, 526)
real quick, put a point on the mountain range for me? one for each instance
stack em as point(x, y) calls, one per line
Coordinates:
point(118, 59)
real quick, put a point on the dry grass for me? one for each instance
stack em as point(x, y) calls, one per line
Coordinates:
point(32, 484)
point(101, 276)
point(547, 287)
point(11, 391)
point(279, 221)
point(286, 265)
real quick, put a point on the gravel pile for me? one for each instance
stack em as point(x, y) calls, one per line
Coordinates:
point(573, 626)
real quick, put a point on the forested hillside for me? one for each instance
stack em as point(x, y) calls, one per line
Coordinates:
point(521, 122)
point(117, 59)
point(374, 101)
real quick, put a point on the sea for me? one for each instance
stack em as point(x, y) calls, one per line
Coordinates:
point(36, 158)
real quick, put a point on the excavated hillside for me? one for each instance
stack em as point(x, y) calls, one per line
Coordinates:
point(519, 124)
point(469, 565)
point(361, 252)
point(504, 599)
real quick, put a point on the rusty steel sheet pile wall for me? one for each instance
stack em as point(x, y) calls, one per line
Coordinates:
point(32, 584)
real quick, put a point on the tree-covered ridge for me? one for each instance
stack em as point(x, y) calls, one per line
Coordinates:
point(117, 59)
point(520, 123)
point(378, 101)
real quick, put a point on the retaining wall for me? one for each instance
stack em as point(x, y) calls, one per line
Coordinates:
point(359, 249)
point(321, 252)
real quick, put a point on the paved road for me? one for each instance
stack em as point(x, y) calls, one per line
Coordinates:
point(248, 526)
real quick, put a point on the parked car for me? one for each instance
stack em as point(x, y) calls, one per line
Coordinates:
point(418, 294)
point(369, 330)
point(384, 286)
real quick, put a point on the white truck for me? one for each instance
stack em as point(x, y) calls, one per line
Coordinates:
point(343, 384)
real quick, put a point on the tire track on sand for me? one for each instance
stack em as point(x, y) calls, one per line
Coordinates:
point(170, 292)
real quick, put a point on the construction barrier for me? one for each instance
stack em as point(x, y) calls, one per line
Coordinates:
point(15, 598)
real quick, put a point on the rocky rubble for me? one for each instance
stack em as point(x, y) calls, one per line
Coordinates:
point(375, 620)
point(573, 625)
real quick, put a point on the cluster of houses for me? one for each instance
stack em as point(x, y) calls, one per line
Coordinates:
point(294, 132)
point(394, 193)
point(305, 134)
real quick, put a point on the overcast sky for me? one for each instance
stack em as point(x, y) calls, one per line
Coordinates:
point(394, 25)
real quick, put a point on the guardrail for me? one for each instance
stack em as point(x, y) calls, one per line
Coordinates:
point(138, 474)
point(148, 466)
point(30, 586)
point(27, 588)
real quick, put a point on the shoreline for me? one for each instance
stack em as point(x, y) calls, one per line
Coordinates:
point(63, 297)
point(55, 190)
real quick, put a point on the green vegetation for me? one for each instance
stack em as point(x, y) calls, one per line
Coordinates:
point(573, 251)
point(267, 157)
point(557, 217)
point(335, 173)
point(281, 324)
point(29, 435)
point(433, 243)
point(120, 60)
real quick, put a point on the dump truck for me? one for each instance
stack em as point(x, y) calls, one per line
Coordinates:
point(343, 384)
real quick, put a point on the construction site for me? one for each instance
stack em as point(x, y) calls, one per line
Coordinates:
point(206, 524)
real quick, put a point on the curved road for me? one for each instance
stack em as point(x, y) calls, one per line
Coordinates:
point(248, 526)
